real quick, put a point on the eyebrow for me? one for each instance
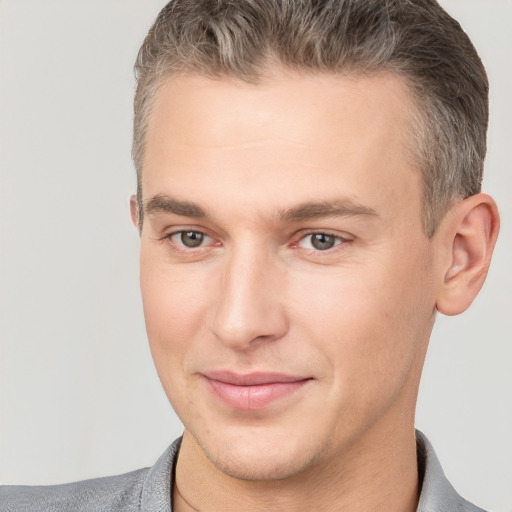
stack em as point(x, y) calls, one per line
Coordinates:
point(306, 211)
point(165, 204)
point(337, 208)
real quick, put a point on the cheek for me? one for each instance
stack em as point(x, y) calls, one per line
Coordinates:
point(173, 302)
point(367, 322)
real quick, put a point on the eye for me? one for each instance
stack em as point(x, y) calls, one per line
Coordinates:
point(189, 239)
point(320, 241)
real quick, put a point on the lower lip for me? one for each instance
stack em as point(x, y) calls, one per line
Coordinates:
point(250, 398)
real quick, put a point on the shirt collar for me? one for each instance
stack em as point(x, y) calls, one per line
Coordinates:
point(157, 489)
point(437, 494)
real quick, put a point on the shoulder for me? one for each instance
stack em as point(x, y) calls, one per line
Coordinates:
point(114, 493)
point(147, 489)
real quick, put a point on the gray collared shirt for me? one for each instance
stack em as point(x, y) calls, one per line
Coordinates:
point(149, 490)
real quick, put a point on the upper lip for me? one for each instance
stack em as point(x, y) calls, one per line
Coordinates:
point(251, 379)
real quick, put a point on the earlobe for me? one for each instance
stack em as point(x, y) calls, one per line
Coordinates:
point(472, 233)
point(134, 211)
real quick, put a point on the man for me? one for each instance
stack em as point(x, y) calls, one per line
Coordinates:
point(308, 197)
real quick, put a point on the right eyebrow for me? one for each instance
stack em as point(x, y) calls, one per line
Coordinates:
point(336, 208)
point(165, 204)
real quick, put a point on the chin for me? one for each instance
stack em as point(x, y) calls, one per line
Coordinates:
point(254, 458)
point(255, 469)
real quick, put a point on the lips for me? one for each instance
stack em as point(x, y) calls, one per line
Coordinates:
point(252, 391)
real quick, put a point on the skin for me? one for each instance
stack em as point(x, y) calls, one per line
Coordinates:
point(238, 162)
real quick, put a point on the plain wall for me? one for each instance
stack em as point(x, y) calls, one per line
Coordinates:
point(79, 396)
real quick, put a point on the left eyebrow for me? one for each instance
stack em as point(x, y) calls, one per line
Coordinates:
point(166, 204)
point(337, 208)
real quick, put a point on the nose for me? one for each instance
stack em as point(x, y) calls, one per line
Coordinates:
point(248, 307)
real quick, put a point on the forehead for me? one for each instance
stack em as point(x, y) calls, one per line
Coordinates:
point(302, 134)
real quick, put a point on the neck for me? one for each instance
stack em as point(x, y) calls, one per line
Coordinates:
point(379, 472)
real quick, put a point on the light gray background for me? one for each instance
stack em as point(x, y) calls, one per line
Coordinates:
point(78, 393)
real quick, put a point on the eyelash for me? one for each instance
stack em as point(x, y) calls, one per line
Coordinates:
point(181, 247)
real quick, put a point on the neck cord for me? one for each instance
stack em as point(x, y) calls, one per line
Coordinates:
point(184, 499)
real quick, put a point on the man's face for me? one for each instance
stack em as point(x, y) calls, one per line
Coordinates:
point(286, 279)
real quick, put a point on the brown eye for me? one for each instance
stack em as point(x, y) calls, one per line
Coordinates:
point(191, 238)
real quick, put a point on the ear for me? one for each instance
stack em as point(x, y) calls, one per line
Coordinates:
point(471, 232)
point(134, 211)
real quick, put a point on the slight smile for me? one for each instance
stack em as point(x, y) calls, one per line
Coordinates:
point(252, 391)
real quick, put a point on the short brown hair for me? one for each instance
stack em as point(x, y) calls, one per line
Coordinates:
point(416, 39)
